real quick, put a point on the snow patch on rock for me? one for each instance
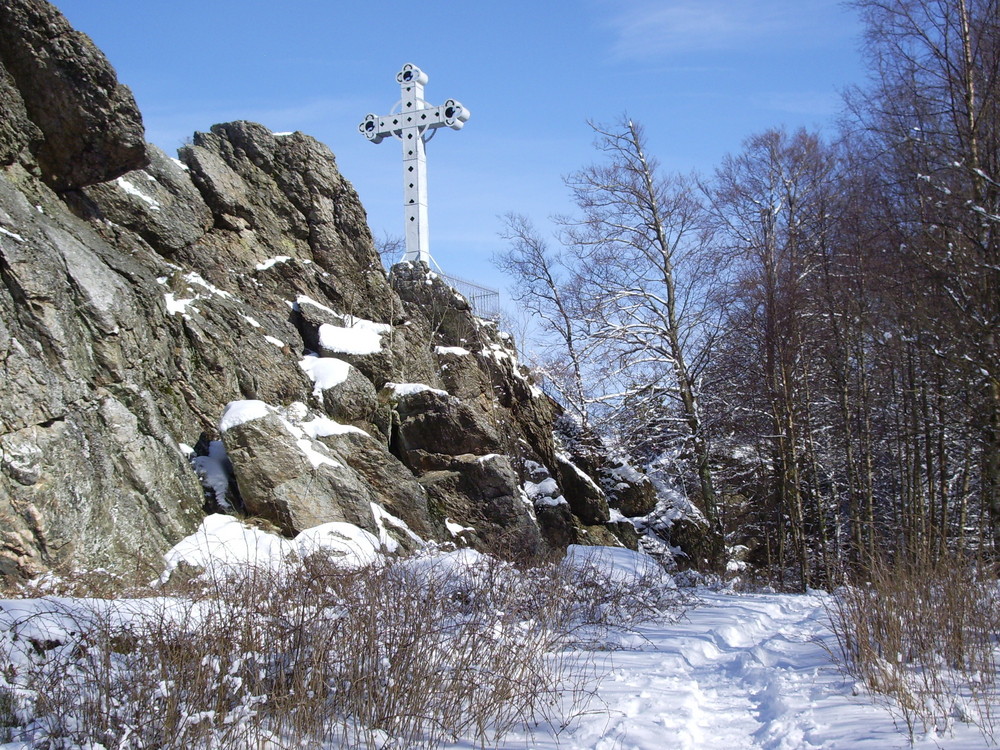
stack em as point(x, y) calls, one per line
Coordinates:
point(13, 235)
point(384, 519)
point(132, 190)
point(456, 529)
point(316, 458)
point(271, 262)
point(324, 427)
point(277, 342)
point(324, 372)
point(241, 412)
point(400, 390)
point(457, 350)
point(359, 339)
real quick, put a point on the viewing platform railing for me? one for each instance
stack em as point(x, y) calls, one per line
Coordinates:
point(485, 302)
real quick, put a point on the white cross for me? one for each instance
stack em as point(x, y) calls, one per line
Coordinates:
point(414, 124)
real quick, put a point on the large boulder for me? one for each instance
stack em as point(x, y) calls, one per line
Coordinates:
point(288, 478)
point(587, 500)
point(429, 422)
point(629, 491)
point(345, 394)
point(695, 543)
point(91, 130)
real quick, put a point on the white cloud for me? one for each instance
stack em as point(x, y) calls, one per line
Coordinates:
point(647, 29)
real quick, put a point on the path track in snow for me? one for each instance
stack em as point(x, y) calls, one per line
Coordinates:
point(737, 672)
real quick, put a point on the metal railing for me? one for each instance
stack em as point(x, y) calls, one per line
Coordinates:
point(485, 302)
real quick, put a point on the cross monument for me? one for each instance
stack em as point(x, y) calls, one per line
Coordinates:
point(414, 122)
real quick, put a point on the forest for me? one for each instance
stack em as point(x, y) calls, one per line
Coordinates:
point(805, 340)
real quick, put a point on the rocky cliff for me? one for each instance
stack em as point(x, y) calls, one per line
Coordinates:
point(216, 332)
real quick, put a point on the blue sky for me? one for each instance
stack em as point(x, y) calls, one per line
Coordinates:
point(701, 75)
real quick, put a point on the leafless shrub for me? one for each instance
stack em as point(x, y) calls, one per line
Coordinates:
point(98, 582)
point(401, 653)
point(922, 635)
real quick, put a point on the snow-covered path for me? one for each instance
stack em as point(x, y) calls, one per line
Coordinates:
point(746, 671)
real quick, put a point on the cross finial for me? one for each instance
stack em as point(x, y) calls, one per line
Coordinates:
point(414, 124)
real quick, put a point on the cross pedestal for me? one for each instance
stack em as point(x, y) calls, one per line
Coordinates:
point(414, 124)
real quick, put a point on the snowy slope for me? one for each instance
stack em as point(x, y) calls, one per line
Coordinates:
point(739, 671)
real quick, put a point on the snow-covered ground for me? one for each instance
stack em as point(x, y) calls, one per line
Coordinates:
point(738, 671)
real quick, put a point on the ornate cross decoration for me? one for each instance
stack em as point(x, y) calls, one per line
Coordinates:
point(414, 124)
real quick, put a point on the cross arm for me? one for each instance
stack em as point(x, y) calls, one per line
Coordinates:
point(451, 114)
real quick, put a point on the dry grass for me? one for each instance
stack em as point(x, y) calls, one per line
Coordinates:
point(402, 653)
point(922, 634)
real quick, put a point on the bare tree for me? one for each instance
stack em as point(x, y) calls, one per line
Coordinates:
point(623, 306)
point(639, 234)
point(770, 206)
point(545, 286)
point(390, 248)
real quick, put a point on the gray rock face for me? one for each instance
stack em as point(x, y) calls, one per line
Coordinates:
point(89, 469)
point(283, 196)
point(138, 299)
point(483, 493)
point(17, 131)
point(159, 203)
point(94, 486)
point(429, 422)
point(439, 307)
point(91, 129)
